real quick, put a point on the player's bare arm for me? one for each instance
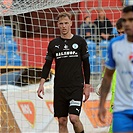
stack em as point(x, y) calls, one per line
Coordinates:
point(105, 87)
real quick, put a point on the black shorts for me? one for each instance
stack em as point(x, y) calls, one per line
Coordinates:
point(67, 101)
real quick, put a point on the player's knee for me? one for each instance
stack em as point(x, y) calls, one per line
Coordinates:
point(62, 121)
point(73, 118)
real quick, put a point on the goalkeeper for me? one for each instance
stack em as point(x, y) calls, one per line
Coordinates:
point(70, 54)
point(120, 31)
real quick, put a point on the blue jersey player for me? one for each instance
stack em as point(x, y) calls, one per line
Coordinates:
point(120, 58)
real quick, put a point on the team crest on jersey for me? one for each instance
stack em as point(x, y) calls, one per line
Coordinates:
point(75, 46)
point(131, 57)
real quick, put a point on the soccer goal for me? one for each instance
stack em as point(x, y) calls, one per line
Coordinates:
point(26, 27)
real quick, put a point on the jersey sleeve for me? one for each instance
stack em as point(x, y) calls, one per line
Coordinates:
point(84, 49)
point(49, 55)
point(110, 62)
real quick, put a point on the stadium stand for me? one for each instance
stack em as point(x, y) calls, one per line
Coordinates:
point(91, 47)
point(103, 47)
point(8, 48)
point(2, 60)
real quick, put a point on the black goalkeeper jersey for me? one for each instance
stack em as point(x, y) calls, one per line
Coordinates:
point(68, 55)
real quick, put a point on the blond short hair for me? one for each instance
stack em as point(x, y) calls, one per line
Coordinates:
point(64, 14)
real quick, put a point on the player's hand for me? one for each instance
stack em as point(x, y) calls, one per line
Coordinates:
point(40, 91)
point(101, 114)
point(86, 92)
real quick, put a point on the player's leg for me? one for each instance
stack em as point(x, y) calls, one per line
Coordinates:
point(77, 125)
point(61, 105)
point(75, 109)
point(63, 125)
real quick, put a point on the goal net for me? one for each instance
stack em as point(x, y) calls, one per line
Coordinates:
point(26, 27)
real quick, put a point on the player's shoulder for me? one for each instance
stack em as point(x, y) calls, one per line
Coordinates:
point(54, 41)
point(117, 39)
point(78, 37)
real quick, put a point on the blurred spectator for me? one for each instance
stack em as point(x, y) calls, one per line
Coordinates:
point(86, 28)
point(104, 26)
point(114, 31)
point(119, 26)
point(117, 29)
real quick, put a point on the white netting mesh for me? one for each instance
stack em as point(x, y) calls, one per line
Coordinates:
point(13, 7)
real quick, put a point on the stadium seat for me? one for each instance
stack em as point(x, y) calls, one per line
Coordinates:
point(91, 44)
point(8, 33)
point(2, 60)
point(95, 64)
point(91, 48)
point(2, 42)
point(2, 38)
point(92, 61)
point(92, 53)
point(1, 30)
point(104, 44)
point(8, 30)
point(103, 47)
point(14, 60)
point(104, 53)
point(99, 63)
point(9, 77)
point(11, 47)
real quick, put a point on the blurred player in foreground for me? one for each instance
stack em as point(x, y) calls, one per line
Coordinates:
point(120, 57)
point(70, 53)
point(120, 31)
